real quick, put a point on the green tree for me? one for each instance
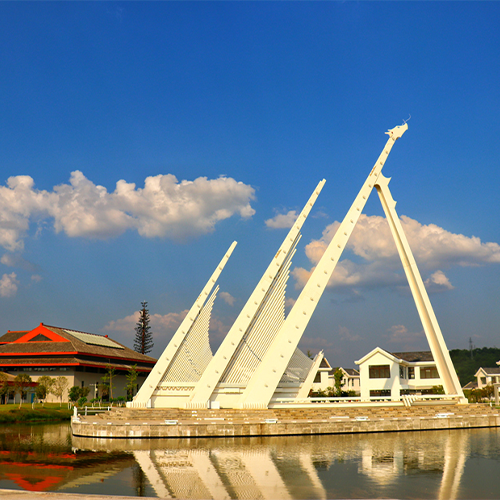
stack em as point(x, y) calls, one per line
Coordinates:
point(466, 366)
point(40, 392)
point(437, 389)
point(21, 384)
point(43, 388)
point(74, 394)
point(339, 380)
point(107, 378)
point(58, 387)
point(103, 389)
point(143, 341)
point(131, 381)
point(4, 386)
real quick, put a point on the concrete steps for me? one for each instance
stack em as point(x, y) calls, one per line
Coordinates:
point(291, 414)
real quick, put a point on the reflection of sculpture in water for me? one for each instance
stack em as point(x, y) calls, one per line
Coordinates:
point(455, 455)
point(301, 466)
point(225, 473)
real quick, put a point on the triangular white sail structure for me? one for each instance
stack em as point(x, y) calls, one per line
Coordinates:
point(247, 342)
point(259, 362)
point(187, 354)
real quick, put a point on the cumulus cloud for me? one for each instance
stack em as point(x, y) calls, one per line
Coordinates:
point(227, 298)
point(8, 285)
point(438, 282)
point(163, 327)
point(164, 207)
point(282, 221)
point(347, 335)
point(16, 260)
point(433, 247)
point(314, 344)
point(160, 324)
point(399, 334)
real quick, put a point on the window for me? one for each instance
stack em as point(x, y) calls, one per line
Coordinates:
point(402, 373)
point(317, 378)
point(383, 393)
point(379, 371)
point(429, 372)
point(411, 372)
point(483, 380)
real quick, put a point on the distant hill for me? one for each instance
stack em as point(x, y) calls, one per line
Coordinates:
point(467, 362)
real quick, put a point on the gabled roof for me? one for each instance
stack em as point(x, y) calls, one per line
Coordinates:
point(351, 372)
point(377, 350)
point(414, 357)
point(324, 364)
point(470, 385)
point(410, 357)
point(48, 341)
point(488, 371)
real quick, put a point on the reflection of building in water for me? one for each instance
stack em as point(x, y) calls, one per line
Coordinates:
point(384, 460)
point(382, 465)
point(300, 466)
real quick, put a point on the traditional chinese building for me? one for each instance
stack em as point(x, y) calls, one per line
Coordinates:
point(83, 358)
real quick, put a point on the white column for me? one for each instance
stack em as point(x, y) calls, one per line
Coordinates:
point(432, 331)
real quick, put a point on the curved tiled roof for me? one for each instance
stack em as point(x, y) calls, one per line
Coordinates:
point(66, 343)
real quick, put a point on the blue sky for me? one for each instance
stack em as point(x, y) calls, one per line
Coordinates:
point(138, 140)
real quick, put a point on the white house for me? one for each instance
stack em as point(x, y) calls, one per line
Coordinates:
point(321, 380)
point(325, 378)
point(386, 374)
point(487, 376)
point(350, 382)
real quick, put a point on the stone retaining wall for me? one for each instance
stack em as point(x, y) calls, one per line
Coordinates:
point(103, 427)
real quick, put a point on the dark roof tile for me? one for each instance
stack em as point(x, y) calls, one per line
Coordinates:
point(414, 357)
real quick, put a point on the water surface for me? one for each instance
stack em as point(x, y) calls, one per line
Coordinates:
point(434, 464)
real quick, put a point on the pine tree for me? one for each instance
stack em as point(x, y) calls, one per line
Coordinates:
point(143, 342)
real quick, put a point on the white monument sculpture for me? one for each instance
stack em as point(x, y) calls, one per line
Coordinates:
point(259, 361)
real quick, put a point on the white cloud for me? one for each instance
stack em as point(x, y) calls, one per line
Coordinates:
point(227, 298)
point(282, 221)
point(314, 344)
point(399, 334)
point(16, 260)
point(161, 325)
point(438, 282)
point(164, 207)
point(345, 334)
point(432, 246)
point(8, 285)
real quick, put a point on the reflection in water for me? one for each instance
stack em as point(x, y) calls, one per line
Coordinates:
point(40, 458)
point(435, 464)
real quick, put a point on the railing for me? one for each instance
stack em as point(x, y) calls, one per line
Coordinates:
point(327, 400)
point(90, 410)
point(407, 400)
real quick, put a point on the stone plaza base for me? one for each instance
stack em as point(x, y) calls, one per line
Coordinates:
point(155, 424)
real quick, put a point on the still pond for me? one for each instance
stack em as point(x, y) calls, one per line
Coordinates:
point(433, 464)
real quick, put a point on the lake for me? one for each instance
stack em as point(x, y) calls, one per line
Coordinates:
point(434, 464)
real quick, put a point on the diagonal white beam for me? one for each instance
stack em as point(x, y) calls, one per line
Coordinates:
point(432, 330)
point(149, 386)
point(213, 373)
point(265, 379)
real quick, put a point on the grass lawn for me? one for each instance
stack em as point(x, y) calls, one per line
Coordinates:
point(50, 412)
